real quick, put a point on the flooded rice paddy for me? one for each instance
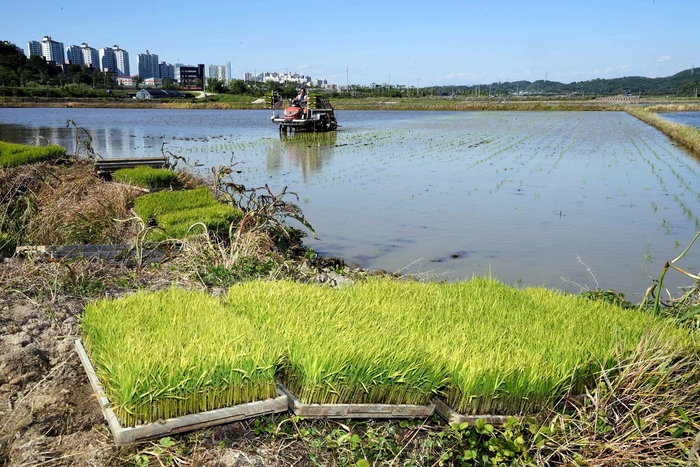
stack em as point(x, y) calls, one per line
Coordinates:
point(527, 197)
point(685, 118)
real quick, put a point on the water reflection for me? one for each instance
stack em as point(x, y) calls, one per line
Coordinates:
point(305, 151)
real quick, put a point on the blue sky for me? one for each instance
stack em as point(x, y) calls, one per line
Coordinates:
point(440, 42)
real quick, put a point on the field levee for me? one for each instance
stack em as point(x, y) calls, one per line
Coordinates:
point(214, 102)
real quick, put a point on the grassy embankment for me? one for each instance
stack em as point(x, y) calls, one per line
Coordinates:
point(685, 136)
point(242, 102)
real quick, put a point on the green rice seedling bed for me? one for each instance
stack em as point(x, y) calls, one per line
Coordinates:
point(485, 347)
point(481, 347)
point(13, 155)
point(146, 177)
point(390, 411)
point(174, 353)
point(160, 428)
point(177, 211)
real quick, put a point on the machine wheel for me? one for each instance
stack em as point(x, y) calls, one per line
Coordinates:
point(323, 123)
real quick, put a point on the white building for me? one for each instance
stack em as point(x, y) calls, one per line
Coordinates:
point(52, 50)
point(219, 72)
point(121, 57)
point(152, 82)
point(280, 78)
point(91, 58)
point(147, 65)
point(107, 61)
point(115, 60)
point(127, 81)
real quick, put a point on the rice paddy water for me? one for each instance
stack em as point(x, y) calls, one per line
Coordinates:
point(525, 196)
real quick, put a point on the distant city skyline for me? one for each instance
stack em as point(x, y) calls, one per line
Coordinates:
point(444, 42)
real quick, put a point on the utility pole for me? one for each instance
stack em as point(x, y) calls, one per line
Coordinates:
point(347, 78)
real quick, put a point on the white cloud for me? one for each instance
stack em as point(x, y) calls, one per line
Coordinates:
point(461, 75)
point(665, 58)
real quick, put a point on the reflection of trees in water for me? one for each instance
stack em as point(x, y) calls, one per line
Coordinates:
point(303, 150)
point(107, 142)
point(31, 135)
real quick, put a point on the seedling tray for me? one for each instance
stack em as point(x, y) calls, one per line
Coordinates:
point(449, 414)
point(356, 410)
point(128, 435)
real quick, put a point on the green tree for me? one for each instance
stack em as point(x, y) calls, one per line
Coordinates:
point(215, 85)
point(100, 79)
point(12, 61)
point(168, 83)
point(238, 86)
point(289, 89)
point(37, 70)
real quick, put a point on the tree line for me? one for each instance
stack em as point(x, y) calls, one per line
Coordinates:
point(33, 76)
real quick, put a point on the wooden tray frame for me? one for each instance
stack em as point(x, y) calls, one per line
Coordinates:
point(128, 435)
point(383, 411)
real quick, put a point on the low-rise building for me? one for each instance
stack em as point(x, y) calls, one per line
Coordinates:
point(126, 81)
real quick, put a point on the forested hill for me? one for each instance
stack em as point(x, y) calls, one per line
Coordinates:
point(683, 84)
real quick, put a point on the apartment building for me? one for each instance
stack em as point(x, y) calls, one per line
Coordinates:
point(115, 60)
point(91, 57)
point(148, 65)
point(51, 50)
point(219, 72)
point(74, 55)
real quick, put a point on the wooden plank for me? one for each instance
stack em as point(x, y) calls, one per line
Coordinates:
point(128, 435)
point(107, 166)
point(384, 411)
point(453, 417)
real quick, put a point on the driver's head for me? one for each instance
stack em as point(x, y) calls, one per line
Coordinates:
point(303, 91)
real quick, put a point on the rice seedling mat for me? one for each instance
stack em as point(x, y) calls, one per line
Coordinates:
point(105, 167)
point(175, 425)
point(356, 410)
point(446, 412)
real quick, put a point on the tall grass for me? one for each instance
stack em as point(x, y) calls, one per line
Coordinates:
point(13, 155)
point(171, 353)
